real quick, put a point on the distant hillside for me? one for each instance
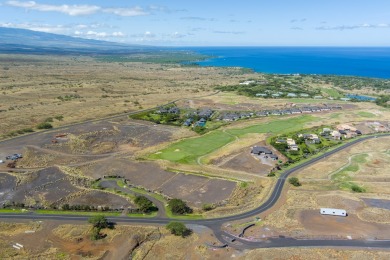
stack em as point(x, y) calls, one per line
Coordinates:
point(14, 40)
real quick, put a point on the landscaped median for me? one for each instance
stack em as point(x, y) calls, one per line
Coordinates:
point(80, 213)
point(13, 211)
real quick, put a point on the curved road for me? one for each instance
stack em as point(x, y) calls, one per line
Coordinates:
point(216, 223)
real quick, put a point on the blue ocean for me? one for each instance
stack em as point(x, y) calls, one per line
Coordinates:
point(353, 61)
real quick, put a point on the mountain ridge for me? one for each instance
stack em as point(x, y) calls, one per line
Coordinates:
point(15, 40)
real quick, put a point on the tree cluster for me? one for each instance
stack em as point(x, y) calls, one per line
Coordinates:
point(294, 181)
point(178, 229)
point(144, 204)
point(98, 223)
point(179, 207)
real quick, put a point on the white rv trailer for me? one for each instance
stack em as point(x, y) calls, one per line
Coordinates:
point(333, 212)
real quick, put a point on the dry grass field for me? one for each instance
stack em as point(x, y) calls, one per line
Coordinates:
point(34, 88)
point(327, 185)
point(51, 240)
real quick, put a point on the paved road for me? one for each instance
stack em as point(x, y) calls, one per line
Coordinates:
point(216, 223)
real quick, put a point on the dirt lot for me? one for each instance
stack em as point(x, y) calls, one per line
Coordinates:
point(244, 160)
point(197, 190)
point(351, 226)
point(52, 186)
point(103, 137)
point(299, 217)
point(102, 199)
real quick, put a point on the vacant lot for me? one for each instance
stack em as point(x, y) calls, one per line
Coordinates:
point(52, 187)
point(197, 190)
point(102, 199)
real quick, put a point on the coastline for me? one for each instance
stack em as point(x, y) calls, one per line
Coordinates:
point(367, 62)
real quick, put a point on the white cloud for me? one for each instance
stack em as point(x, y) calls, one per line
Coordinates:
point(197, 18)
point(142, 37)
point(296, 28)
point(135, 11)
point(90, 31)
point(353, 27)
point(177, 35)
point(118, 34)
point(229, 32)
point(61, 29)
point(99, 35)
point(73, 10)
point(77, 10)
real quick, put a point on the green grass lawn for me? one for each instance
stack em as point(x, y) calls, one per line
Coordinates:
point(332, 92)
point(276, 127)
point(366, 114)
point(188, 150)
point(13, 211)
point(335, 115)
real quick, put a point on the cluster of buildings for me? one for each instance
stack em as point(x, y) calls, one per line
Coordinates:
point(168, 110)
point(233, 116)
point(310, 138)
point(342, 131)
point(261, 150)
point(203, 114)
point(291, 144)
point(346, 131)
point(282, 94)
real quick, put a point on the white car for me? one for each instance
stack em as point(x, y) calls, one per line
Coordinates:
point(1, 161)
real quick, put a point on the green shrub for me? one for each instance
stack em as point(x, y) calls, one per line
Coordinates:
point(177, 206)
point(44, 125)
point(271, 174)
point(144, 204)
point(59, 117)
point(356, 188)
point(294, 181)
point(178, 228)
point(208, 207)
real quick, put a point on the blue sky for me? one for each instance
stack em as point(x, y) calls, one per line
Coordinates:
point(208, 23)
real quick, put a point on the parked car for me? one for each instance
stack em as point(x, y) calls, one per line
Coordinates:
point(14, 156)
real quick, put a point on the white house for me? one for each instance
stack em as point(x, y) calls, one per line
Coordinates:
point(333, 212)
